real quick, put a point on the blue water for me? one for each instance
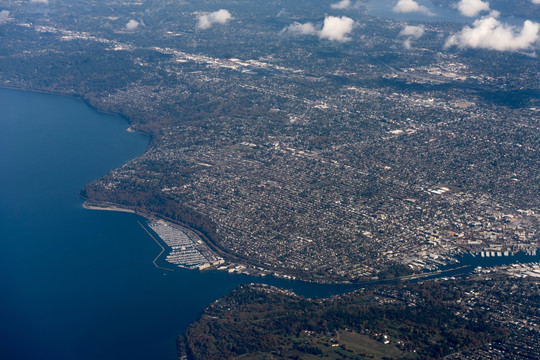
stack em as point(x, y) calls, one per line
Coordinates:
point(383, 8)
point(78, 283)
point(518, 258)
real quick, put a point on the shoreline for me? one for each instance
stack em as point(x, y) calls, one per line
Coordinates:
point(457, 271)
point(106, 208)
point(252, 267)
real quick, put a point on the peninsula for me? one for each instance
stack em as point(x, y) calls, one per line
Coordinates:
point(376, 151)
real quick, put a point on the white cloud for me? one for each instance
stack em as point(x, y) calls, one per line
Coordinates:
point(217, 17)
point(343, 4)
point(409, 6)
point(337, 28)
point(301, 29)
point(407, 43)
point(490, 33)
point(537, 2)
point(472, 7)
point(4, 16)
point(40, 1)
point(132, 24)
point(334, 28)
point(411, 32)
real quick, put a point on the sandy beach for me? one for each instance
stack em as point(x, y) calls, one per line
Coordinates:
point(106, 208)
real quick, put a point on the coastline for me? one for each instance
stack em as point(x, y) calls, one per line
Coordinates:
point(106, 207)
point(413, 277)
point(245, 266)
point(250, 269)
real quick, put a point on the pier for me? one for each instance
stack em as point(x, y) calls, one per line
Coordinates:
point(162, 249)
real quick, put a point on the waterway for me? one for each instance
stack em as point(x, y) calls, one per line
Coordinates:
point(77, 283)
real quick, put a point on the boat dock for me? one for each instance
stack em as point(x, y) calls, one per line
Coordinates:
point(187, 250)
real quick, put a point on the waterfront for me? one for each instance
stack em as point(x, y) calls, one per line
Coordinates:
point(78, 283)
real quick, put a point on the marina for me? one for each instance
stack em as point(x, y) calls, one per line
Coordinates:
point(187, 250)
